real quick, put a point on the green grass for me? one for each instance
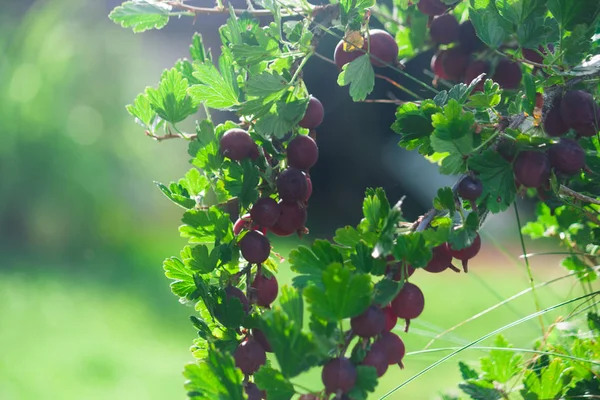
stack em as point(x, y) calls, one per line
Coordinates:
point(71, 338)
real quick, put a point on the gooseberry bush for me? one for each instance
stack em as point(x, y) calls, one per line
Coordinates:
point(512, 111)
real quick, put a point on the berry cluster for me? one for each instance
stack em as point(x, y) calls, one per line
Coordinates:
point(575, 110)
point(283, 217)
point(464, 56)
point(380, 45)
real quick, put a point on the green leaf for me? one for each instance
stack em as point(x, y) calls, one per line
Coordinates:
point(347, 236)
point(364, 261)
point(452, 153)
point(206, 226)
point(265, 84)
point(480, 390)
point(241, 181)
point(198, 258)
point(496, 173)
point(376, 208)
point(141, 15)
point(142, 110)
point(343, 295)
point(359, 74)
point(228, 310)
point(294, 350)
point(282, 116)
point(594, 321)
point(569, 13)
point(309, 263)
point(550, 384)
point(194, 182)
point(491, 28)
point(197, 50)
point(177, 194)
point(414, 123)
point(385, 291)
point(366, 381)
point(464, 236)
point(445, 200)
point(214, 90)
point(467, 372)
point(452, 123)
point(412, 248)
point(583, 271)
point(501, 365)
point(489, 98)
point(216, 377)
point(273, 381)
point(170, 100)
point(183, 278)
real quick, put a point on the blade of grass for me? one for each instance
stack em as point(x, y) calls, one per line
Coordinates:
point(484, 337)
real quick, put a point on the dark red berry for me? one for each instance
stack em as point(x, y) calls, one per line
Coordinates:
point(467, 253)
point(554, 125)
point(455, 62)
point(437, 65)
point(342, 57)
point(409, 303)
point(390, 344)
point(508, 74)
point(255, 247)
point(532, 168)
point(291, 219)
point(266, 290)
point(231, 292)
point(302, 152)
point(370, 323)
point(253, 392)
point(383, 46)
point(260, 337)
point(378, 358)
point(292, 185)
point(310, 188)
point(314, 114)
point(236, 144)
point(440, 260)
point(339, 374)
point(468, 39)
point(249, 356)
point(265, 212)
point(567, 157)
point(391, 319)
point(432, 7)
point(579, 112)
point(444, 29)
point(470, 188)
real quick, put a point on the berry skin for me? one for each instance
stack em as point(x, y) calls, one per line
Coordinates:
point(475, 69)
point(309, 186)
point(432, 7)
point(339, 374)
point(302, 152)
point(378, 358)
point(291, 219)
point(390, 344)
point(253, 392)
point(554, 126)
point(265, 212)
point(314, 114)
point(467, 253)
point(292, 185)
point(468, 39)
point(532, 168)
point(437, 65)
point(391, 319)
point(384, 47)
point(232, 292)
point(441, 259)
point(508, 74)
point(236, 144)
point(260, 337)
point(266, 290)
point(342, 57)
point(470, 188)
point(567, 157)
point(249, 356)
point(255, 247)
point(579, 112)
point(409, 303)
point(444, 29)
point(455, 62)
point(370, 323)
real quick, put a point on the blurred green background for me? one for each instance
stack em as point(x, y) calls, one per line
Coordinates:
point(85, 311)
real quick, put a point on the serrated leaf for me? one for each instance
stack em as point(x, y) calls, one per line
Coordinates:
point(496, 173)
point(183, 278)
point(344, 294)
point(265, 84)
point(414, 123)
point(347, 236)
point(445, 200)
point(199, 258)
point(572, 13)
point(366, 381)
point(491, 28)
point(141, 15)
point(385, 291)
point(241, 181)
point(583, 271)
point(476, 391)
point(310, 263)
point(170, 101)
point(501, 365)
point(206, 226)
point(216, 377)
point(214, 91)
point(467, 372)
point(550, 384)
point(177, 194)
point(282, 117)
point(412, 248)
point(359, 74)
point(142, 110)
point(273, 381)
point(365, 262)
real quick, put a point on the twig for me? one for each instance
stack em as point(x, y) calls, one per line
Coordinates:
point(570, 192)
point(396, 84)
point(222, 10)
point(170, 136)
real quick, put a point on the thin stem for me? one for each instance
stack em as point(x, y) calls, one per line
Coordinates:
point(222, 10)
point(170, 136)
point(570, 192)
point(299, 69)
point(529, 274)
point(399, 86)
